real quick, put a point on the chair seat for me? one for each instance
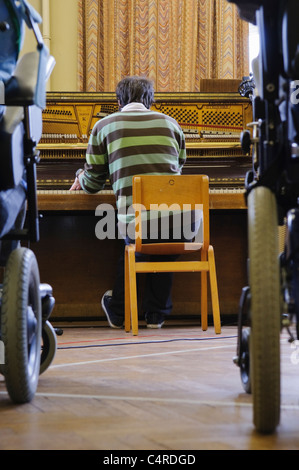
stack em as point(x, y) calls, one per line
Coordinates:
point(169, 248)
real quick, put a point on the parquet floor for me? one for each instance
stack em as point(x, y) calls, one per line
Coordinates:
point(170, 389)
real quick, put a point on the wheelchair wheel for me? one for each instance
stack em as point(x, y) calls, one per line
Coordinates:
point(49, 345)
point(21, 325)
point(265, 308)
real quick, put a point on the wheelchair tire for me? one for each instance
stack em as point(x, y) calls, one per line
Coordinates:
point(21, 322)
point(49, 345)
point(265, 308)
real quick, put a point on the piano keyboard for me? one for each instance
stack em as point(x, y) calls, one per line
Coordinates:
point(65, 200)
point(66, 192)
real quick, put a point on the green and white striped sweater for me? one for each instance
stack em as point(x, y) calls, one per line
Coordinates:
point(131, 142)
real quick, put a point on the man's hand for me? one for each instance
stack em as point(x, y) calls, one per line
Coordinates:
point(76, 184)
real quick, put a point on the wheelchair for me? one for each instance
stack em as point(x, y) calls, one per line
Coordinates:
point(28, 340)
point(270, 302)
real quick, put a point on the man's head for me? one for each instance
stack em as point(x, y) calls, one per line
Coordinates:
point(135, 89)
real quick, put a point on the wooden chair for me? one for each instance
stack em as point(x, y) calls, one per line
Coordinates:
point(188, 191)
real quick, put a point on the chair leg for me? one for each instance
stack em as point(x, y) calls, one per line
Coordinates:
point(214, 291)
point(204, 296)
point(127, 294)
point(133, 290)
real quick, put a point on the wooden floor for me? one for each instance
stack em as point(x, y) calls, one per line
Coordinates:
point(170, 389)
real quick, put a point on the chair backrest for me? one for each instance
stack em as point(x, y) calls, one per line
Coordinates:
point(187, 193)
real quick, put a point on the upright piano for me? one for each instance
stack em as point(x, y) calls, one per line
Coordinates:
point(78, 265)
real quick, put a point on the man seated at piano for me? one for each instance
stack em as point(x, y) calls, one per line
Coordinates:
point(131, 142)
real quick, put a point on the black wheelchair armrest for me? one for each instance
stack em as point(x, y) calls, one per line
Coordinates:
point(12, 148)
point(290, 39)
point(11, 203)
point(247, 9)
point(28, 84)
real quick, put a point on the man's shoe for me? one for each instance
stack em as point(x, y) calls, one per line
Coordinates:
point(114, 320)
point(154, 320)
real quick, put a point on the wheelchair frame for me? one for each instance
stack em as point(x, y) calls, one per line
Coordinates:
point(28, 337)
point(270, 301)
